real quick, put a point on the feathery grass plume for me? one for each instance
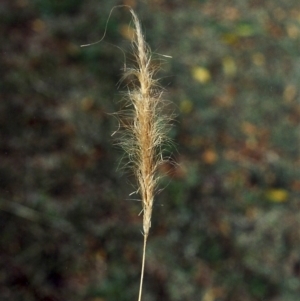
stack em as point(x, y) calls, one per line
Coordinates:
point(145, 128)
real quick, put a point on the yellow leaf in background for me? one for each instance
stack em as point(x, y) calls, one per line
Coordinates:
point(209, 296)
point(210, 156)
point(127, 32)
point(245, 30)
point(258, 59)
point(290, 93)
point(293, 31)
point(277, 195)
point(201, 75)
point(230, 38)
point(229, 66)
point(186, 106)
point(213, 294)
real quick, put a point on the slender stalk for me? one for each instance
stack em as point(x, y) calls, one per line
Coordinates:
point(143, 268)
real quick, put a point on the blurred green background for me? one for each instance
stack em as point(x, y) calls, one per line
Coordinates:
point(226, 226)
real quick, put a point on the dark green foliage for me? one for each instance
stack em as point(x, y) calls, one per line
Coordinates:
point(56, 7)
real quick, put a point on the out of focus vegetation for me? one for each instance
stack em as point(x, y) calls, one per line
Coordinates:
point(226, 225)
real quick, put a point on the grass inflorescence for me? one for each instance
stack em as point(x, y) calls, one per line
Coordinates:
point(145, 127)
